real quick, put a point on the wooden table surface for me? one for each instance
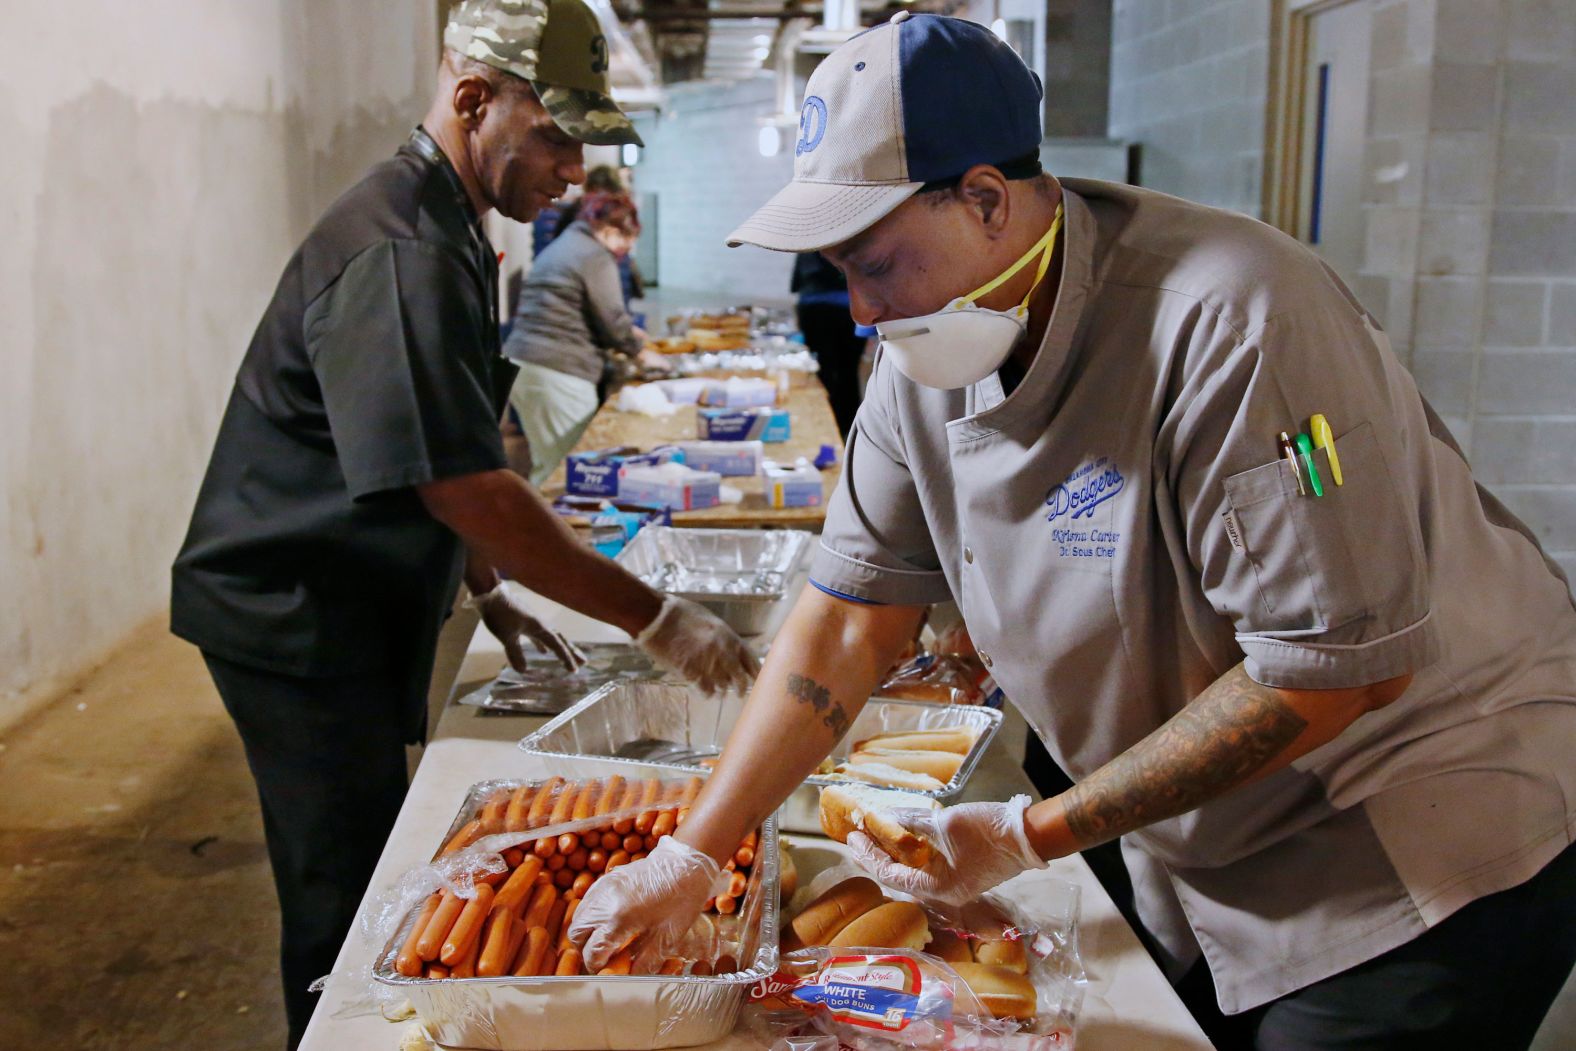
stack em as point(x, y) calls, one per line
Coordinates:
point(813, 426)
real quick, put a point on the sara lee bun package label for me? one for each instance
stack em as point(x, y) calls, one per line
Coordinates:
point(729, 459)
point(798, 485)
point(670, 485)
point(874, 992)
point(595, 473)
point(742, 425)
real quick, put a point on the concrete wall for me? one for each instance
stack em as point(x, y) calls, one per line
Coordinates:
point(703, 162)
point(1188, 82)
point(162, 161)
point(1472, 252)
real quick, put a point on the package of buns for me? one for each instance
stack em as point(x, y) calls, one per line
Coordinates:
point(1023, 977)
point(939, 678)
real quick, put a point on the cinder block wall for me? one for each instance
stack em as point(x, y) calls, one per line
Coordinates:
point(1469, 201)
point(703, 161)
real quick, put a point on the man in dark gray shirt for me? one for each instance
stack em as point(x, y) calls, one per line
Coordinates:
point(359, 465)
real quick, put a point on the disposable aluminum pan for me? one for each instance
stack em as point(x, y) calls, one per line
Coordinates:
point(670, 725)
point(546, 688)
point(591, 1013)
point(739, 574)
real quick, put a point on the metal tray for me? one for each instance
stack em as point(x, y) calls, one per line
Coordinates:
point(545, 688)
point(669, 725)
point(590, 1013)
point(739, 574)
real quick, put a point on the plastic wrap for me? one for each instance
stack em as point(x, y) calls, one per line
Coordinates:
point(670, 725)
point(739, 574)
point(576, 1012)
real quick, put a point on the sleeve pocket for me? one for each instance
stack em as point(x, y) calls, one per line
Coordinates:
point(1347, 566)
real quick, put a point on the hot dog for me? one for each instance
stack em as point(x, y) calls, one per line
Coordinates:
point(563, 924)
point(619, 963)
point(570, 963)
point(541, 805)
point(582, 883)
point(515, 814)
point(409, 961)
point(468, 928)
point(532, 952)
point(437, 930)
point(650, 793)
point(518, 887)
point(467, 835)
point(633, 793)
point(496, 943)
point(541, 904)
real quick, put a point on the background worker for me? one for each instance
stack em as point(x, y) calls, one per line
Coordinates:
point(570, 324)
point(359, 461)
point(1333, 731)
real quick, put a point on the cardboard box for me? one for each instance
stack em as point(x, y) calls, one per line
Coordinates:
point(595, 473)
point(729, 459)
point(743, 425)
point(671, 485)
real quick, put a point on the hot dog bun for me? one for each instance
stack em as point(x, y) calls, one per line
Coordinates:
point(950, 947)
point(895, 925)
point(878, 773)
point(823, 918)
point(1004, 993)
point(958, 739)
point(847, 808)
point(940, 765)
point(1010, 955)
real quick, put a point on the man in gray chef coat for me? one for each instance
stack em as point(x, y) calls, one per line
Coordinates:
point(1324, 691)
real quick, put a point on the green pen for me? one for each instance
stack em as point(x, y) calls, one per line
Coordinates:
point(1305, 450)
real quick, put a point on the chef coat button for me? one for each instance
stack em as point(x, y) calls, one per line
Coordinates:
point(984, 658)
point(968, 555)
point(900, 17)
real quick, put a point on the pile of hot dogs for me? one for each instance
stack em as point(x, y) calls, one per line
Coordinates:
point(518, 921)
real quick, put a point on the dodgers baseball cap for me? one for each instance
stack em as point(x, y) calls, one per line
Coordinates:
point(918, 100)
point(559, 46)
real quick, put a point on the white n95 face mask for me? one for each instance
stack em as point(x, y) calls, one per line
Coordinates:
point(964, 342)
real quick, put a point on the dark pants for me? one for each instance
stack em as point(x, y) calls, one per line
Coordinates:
point(829, 333)
point(328, 756)
point(1483, 978)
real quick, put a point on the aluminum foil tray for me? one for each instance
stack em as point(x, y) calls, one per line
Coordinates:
point(669, 725)
point(739, 574)
point(545, 688)
point(591, 1013)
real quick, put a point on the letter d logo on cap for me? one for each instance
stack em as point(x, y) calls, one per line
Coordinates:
point(812, 125)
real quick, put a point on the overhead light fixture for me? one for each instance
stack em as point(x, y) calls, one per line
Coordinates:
point(762, 41)
point(999, 27)
point(761, 53)
point(630, 155)
point(769, 141)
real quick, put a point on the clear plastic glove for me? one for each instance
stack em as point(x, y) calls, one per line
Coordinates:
point(655, 899)
point(507, 619)
point(977, 846)
point(693, 642)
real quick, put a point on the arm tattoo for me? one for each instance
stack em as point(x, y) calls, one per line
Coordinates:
point(819, 697)
point(1224, 736)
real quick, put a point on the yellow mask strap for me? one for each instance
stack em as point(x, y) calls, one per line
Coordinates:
point(1045, 247)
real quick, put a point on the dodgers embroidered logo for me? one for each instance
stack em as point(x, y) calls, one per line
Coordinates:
point(1084, 490)
point(812, 125)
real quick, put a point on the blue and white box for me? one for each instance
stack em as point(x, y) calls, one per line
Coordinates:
point(743, 425)
point(595, 473)
point(796, 486)
point(670, 485)
point(729, 459)
point(739, 392)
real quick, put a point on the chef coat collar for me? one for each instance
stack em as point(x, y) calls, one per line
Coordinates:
point(1035, 398)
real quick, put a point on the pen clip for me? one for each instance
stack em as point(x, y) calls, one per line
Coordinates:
point(1289, 451)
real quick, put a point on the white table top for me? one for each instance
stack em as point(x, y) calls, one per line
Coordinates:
point(1127, 1003)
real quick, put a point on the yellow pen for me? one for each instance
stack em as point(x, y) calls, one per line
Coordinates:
point(1324, 438)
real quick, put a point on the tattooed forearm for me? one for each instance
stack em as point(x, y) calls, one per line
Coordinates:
point(819, 697)
point(1222, 738)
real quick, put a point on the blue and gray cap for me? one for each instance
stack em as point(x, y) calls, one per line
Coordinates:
point(919, 100)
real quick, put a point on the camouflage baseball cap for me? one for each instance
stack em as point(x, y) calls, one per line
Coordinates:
point(559, 46)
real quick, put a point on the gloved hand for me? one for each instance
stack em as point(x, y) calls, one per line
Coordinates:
point(977, 846)
point(695, 643)
point(507, 619)
point(655, 899)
